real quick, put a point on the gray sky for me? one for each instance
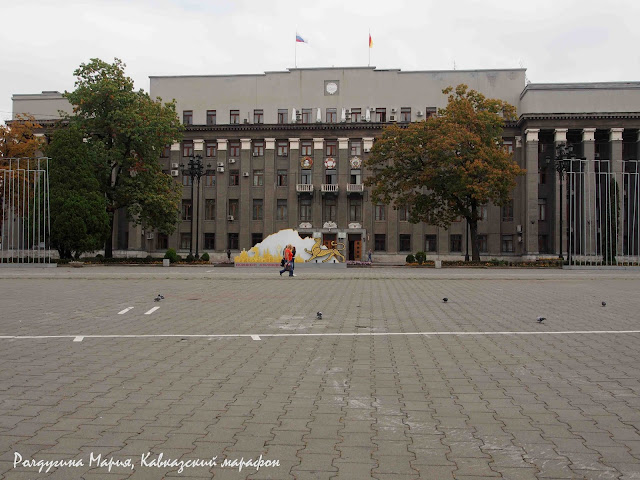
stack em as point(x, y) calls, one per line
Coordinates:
point(556, 41)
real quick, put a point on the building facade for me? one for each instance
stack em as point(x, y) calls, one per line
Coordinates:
point(286, 150)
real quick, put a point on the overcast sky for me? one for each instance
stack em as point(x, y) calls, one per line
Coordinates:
point(556, 41)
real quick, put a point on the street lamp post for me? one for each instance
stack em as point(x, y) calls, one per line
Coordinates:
point(194, 169)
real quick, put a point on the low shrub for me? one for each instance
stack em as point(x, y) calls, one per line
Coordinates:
point(172, 255)
point(410, 258)
point(205, 257)
point(421, 257)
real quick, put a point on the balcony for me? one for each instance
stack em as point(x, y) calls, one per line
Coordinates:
point(329, 188)
point(304, 188)
point(355, 188)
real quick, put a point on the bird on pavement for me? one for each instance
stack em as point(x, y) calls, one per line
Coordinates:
point(445, 299)
point(541, 319)
point(157, 299)
point(319, 315)
point(604, 304)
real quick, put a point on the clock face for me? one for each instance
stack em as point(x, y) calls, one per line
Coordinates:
point(332, 88)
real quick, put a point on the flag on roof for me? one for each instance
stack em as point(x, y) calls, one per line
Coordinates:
point(300, 39)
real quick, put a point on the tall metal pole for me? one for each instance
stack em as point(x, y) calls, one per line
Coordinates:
point(191, 175)
point(198, 217)
point(560, 174)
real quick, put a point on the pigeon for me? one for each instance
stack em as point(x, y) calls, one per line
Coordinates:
point(157, 299)
point(319, 315)
point(445, 299)
point(161, 296)
point(604, 304)
point(541, 319)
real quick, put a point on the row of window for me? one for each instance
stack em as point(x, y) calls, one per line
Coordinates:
point(282, 178)
point(258, 146)
point(380, 242)
point(305, 115)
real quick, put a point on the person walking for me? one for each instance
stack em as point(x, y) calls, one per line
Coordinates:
point(293, 259)
point(287, 261)
point(369, 256)
point(228, 254)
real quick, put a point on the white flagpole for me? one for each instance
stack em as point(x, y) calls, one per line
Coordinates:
point(295, 52)
point(369, 47)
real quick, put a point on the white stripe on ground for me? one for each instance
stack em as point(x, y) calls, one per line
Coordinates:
point(151, 311)
point(353, 334)
point(255, 337)
point(78, 339)
point(125, 311)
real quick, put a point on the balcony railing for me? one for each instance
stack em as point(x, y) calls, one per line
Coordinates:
point(355, 187)
point(304, 187)
point(329, 188)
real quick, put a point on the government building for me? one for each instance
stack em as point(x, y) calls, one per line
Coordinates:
point(287, 149)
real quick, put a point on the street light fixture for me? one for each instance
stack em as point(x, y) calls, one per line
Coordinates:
point(195, 169)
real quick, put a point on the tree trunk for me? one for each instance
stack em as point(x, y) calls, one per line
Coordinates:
point(108, 243)
point(475, 248)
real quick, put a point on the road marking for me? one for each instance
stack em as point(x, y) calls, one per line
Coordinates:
point(78, 339)
point(352, 334)
point(125, 311)
point(151, 311)
point(255, 337)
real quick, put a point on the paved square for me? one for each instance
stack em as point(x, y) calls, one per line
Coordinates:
point(391, 383)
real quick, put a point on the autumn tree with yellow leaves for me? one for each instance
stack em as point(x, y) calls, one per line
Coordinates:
point(448, 166)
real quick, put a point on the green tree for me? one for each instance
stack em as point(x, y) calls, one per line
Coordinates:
point(448, 166)
point(79, 220)
point(127, 130)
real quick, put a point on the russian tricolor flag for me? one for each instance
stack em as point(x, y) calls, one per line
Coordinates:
point(300, 39)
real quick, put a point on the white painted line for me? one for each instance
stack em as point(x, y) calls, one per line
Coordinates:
point(78, 339)
point(255, 337)
point(352, 334)
point(125, 311)
point(151, 311)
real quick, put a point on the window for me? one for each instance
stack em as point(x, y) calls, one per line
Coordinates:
point(166, 151)
point(283, 116)
point(210, 180)
point(185, 241)
point(331, 177)
point(355, 147)
point(482, 243)
point(211, 117)
point(381, 115)
point(507, 143)
point(232, 241)
point(355, 177)
point(282, 148)
point(355, 210)
point(405, 243)
point(331, 148)
point(405, 114)
point(281, 209)
point(234, 178)
point(306, 115)
point(542, 209)
point(256, 238)
point(430, 243)
point(211, 149)
point(282, 178)
point(482, 213)
point(455, 242)
point(186, 180)
point(332, 115)
point(210, 209)
point(234, 116)
point(234, 148)
point(187, 148)
point(257, 209)
point(507, 211)
point(186, 210)
point(356, 115)
point(330, 210)
point(306, 147)
point(380, 242)
point(209, 241)
point(258, 117)
point(507, 243)
point(258, 178)
point(430, 112)
point(403, 213)
point(162, 241)
point(258, 148)
point(234, 211)
point(379, 213)
point(542, 177)
point(305, 177)
point(305, 209)
point(187, 117)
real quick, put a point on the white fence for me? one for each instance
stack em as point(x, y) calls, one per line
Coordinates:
point(602, 211)
point(25, 219)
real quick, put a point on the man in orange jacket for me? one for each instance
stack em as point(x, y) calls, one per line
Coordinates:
point(288, 256)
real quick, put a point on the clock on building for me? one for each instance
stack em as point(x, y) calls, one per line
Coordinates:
point(331, 87)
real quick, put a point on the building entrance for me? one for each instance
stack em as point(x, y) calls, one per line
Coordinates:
point(355, 247)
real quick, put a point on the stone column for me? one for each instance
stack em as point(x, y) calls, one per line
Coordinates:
point(270, 201)
point(367, 205)
point(530, 228)
point(293, 180)
point(344, 170)
point(318, 179)
point(591, 226)
point(246, 201)
point(615, 138)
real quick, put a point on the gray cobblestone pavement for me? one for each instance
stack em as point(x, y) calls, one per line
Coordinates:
point(391, 383)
